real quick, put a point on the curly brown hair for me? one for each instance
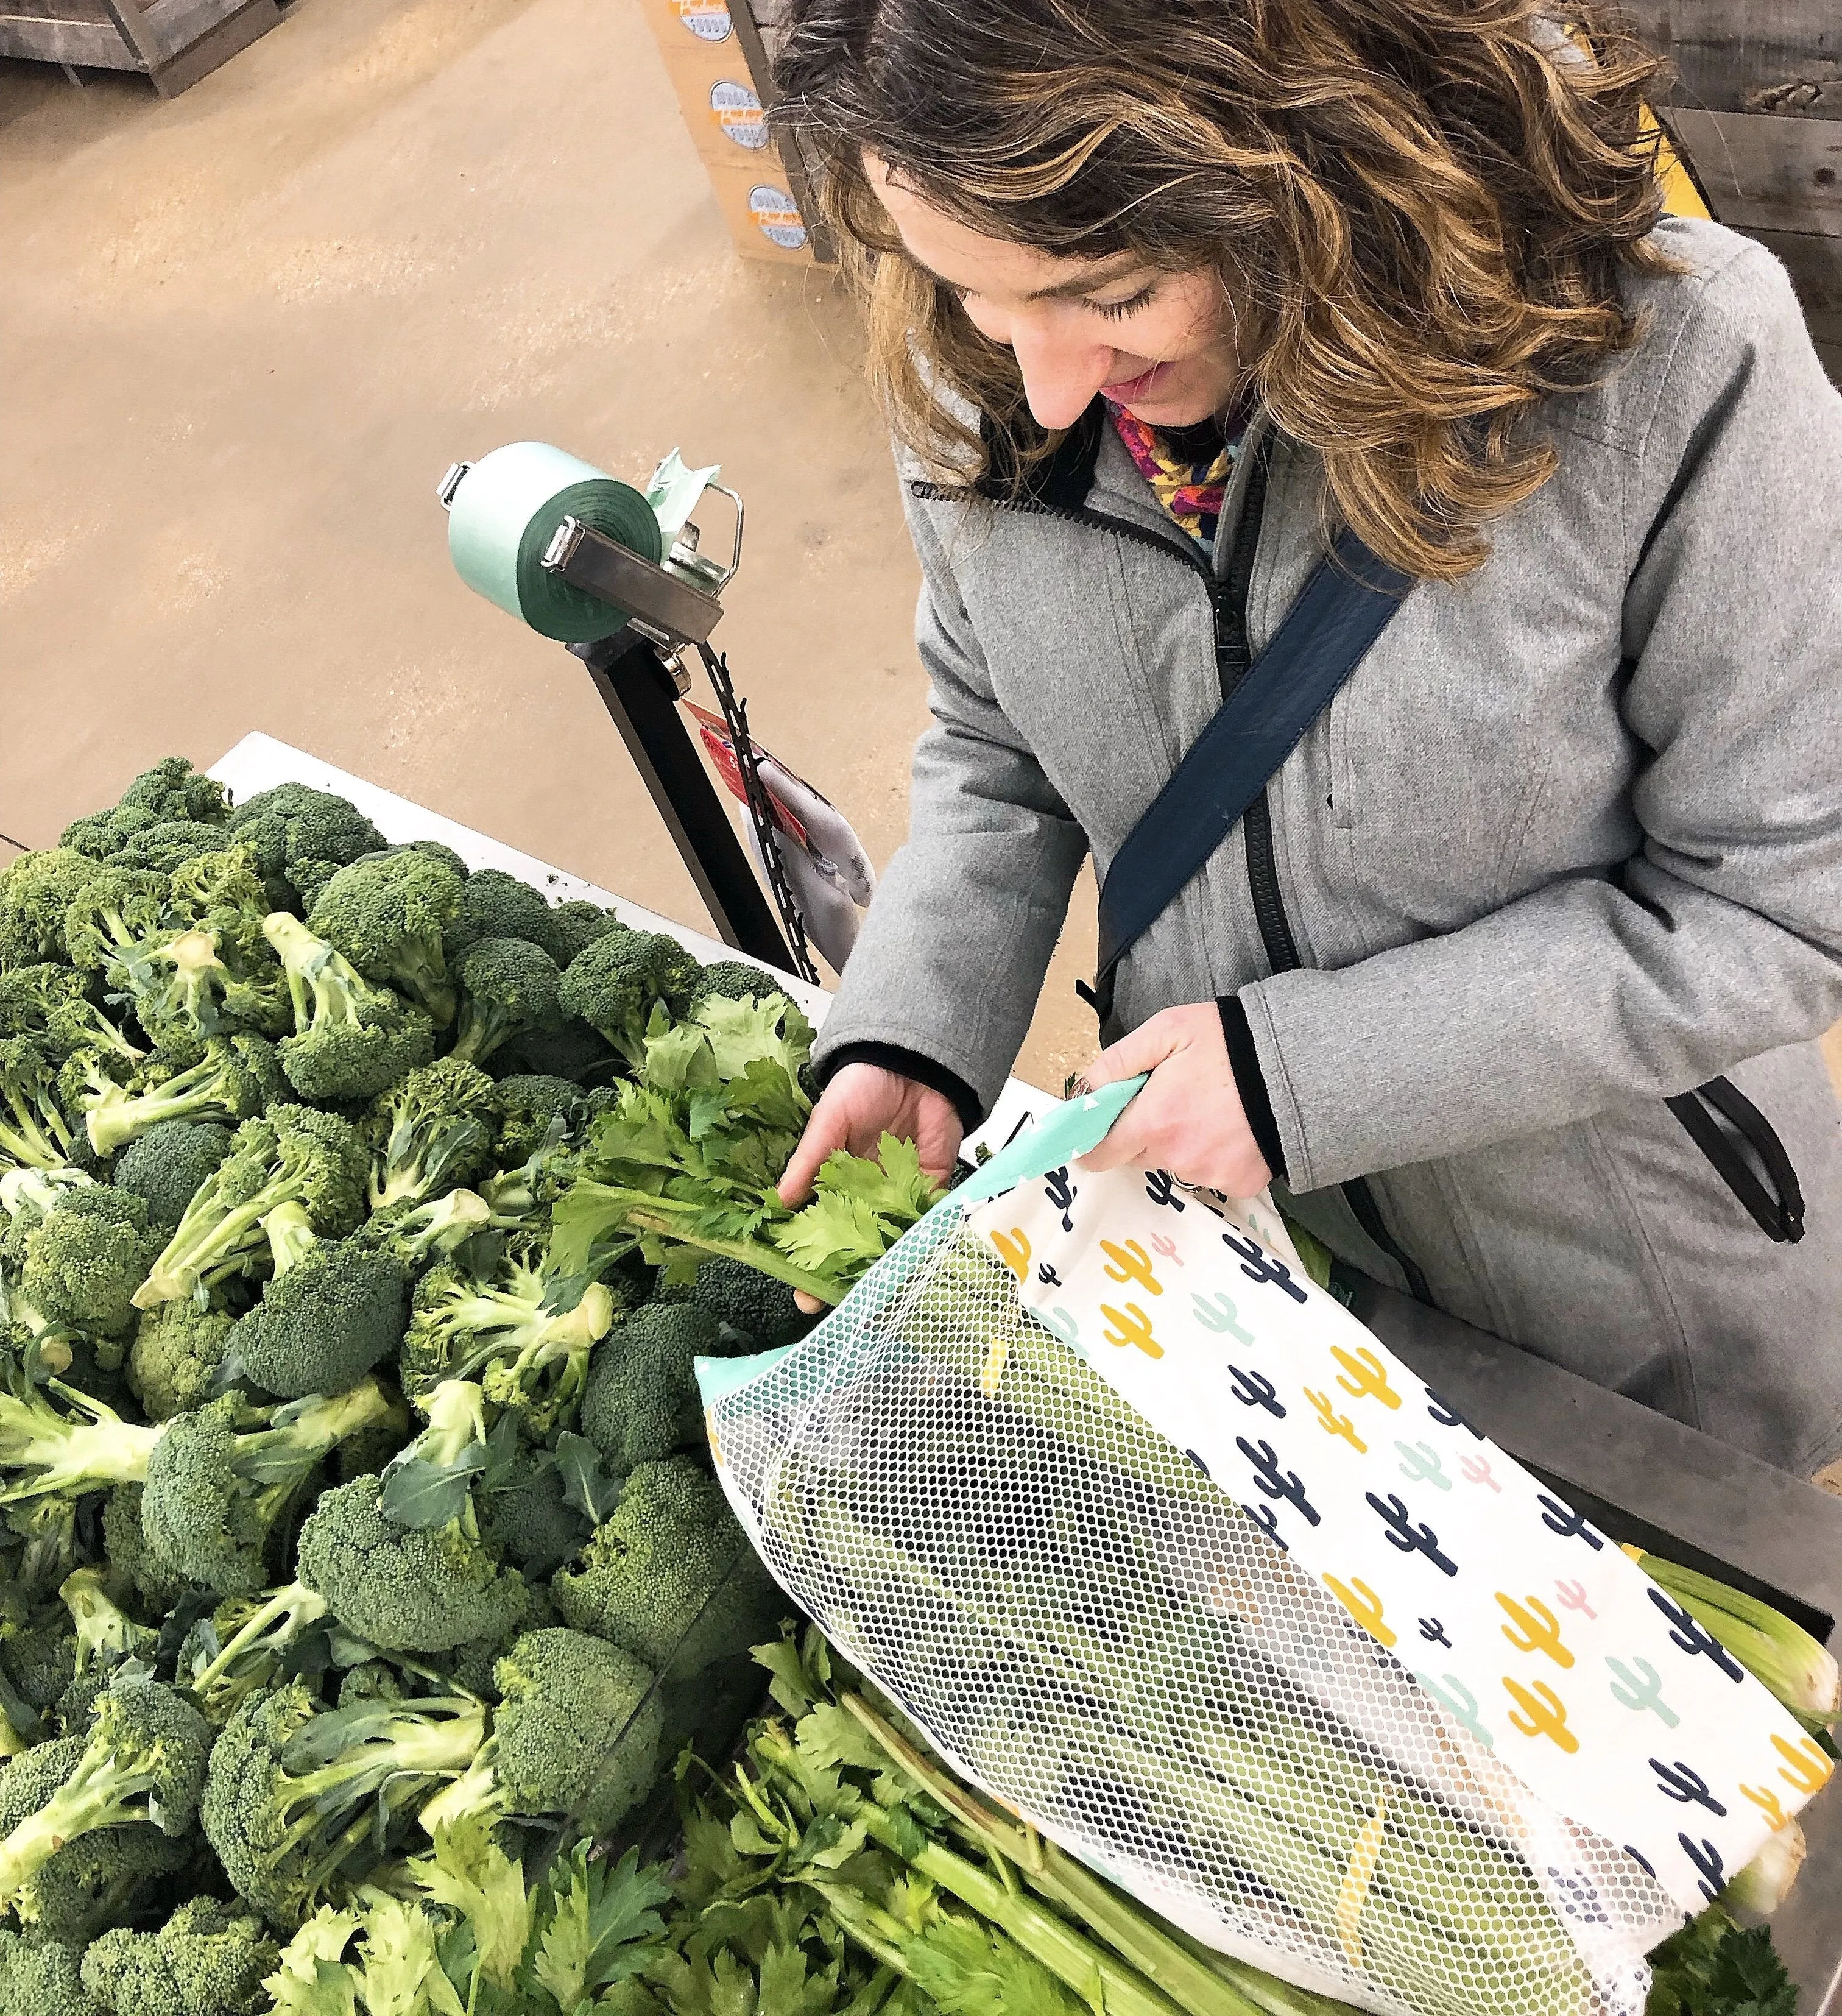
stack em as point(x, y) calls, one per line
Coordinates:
point(1419, 211)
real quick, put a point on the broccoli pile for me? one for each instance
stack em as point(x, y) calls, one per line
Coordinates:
point(345, 1502)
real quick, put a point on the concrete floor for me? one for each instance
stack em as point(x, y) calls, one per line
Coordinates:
point(248, 329)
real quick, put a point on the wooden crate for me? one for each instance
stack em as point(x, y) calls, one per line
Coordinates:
point(1756, 106)
point(172, 43)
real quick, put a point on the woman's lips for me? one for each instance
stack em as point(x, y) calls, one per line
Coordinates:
point(1129, 389)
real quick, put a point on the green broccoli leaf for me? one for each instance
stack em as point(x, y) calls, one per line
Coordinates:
point(418, 1494)
point(586, 1486)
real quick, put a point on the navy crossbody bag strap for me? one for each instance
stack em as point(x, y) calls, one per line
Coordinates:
point(1343, 608)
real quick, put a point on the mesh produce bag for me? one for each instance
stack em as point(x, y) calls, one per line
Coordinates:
point(1166, 1552)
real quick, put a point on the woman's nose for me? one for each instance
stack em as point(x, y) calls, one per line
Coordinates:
point(1060, 376)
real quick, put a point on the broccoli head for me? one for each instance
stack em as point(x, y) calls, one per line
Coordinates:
point(734, 980)
point(168, 845)
point(41, 1976)
point(421, 1233)
point(615, 984)
point(508, 986)
point(434, 1130)
point(51, 1004)
point(105, 1876)
point(299, 1796)
point(165, 1164)
point(335, 1310)
point(228, 1079)
point(172, 789)
point(299, 838)
point(671, 1557)
point(114, 917)
point(523, 1333)
point(495, 904)
point(572, 1051)
point(34, 1132)
point(576, 1735)
point(173, 1359)
point(534, 1103)
point(36, 889)
point(525, 1514)
point(351, 1039)
point(415, 1587)
point(38, 1654)
point(642, 1401)
point(219, 1478)
point(386, 913)
point(572, 927)
point(85, 1257)
point(136, 1570)
point(206, 1959)
point(292, 1155)
point(143, 1758)
point(754, 1311)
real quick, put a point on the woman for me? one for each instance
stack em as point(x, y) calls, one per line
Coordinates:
point(1165, 295)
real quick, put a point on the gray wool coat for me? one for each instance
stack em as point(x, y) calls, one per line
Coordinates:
point(1568, 842)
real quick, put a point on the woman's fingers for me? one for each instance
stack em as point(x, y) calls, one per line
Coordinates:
point(1144, 1050)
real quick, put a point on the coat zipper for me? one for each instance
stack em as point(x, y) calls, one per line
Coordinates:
point(1228, 603)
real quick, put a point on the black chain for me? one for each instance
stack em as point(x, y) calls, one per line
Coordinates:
point(735, 712)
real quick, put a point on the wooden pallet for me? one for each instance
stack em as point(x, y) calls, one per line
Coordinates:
point(172, 43)
point(1756, 108)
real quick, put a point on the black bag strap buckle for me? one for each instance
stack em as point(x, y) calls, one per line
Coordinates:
point(1779, 1211)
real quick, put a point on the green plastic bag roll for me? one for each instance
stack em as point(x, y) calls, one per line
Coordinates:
point(505, 513)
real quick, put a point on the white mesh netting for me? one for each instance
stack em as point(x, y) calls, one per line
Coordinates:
point(1090, 1629)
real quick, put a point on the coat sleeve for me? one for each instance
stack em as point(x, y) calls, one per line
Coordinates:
point(1722, 938)
point(952, 953)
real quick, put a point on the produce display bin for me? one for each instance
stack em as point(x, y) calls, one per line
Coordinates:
point(1641, 1478)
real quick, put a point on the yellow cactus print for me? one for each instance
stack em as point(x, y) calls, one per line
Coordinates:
point(1131, 1325)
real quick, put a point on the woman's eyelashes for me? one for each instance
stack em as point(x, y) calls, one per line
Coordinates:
point(1115, 310)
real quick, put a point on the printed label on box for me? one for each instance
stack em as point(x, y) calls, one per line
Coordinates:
point(708, 20)
point(739, 114)
point(775, 211)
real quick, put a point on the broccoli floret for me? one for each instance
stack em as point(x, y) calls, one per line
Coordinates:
point(34, 1133)
point(174, 1357)
point(205, 1960)
point(421, 1588)
point(755, 1311)
point(534, 1102)
point(135, 1569)
point(419, 1234)
point(114, 917)
point(172, 789)
point(300, 838)
point(218, 1479)
point(642, 1402)
point(572, 1051)
point(372, 1680)
point(234, 1078)
point(525, 1516)
point(352, 1039)
point(434, 1131)
point(143, 1759)
point(386, 914)
point(87, 1256)
point(495, 904)
point(654, 1570)
point(60, 1442)
point(41, 1976)
point(105, 1634)
point(734, 980)
point(616, 982)
point(221, 896)
point(246, 1646)
point(298, 1795)
point(37, 888)
point(576, 1734)
point(165, 1164)
point(52, 1548)
point(523, 1334)
point(168, 844)
point(573, 927)
point(508, 986)
point(39, 1655)
point(52, 1004)
point(335, 1310)
point(104, 1876)
point(292, 1155)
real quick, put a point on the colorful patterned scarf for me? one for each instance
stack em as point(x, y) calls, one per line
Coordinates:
point(1188, 468)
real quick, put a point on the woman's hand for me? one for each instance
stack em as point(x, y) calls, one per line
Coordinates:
point(862, 1104)
point(1189, 1118)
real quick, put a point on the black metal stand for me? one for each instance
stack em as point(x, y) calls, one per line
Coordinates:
point(638, 690)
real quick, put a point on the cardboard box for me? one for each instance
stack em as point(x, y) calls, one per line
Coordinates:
point(757, 204)
point(719, 100)
point(686, 24)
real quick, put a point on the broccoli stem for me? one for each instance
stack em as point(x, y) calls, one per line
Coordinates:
point(101, 1792)
point(210, 1242)
point(316, 985)
point(420, 968)
point(116, 1117)
point(31, 1139)
point(84, 1450)
point(291, 1236)
point(275, 1626)
point(199, 978)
